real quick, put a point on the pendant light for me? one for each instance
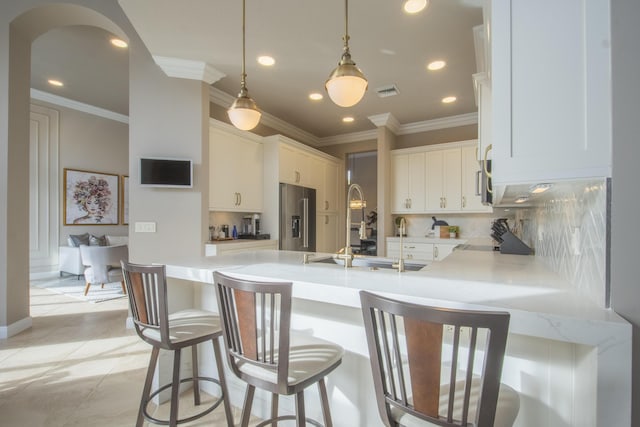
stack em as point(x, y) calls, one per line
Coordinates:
point(346, 84)
point(244, 113)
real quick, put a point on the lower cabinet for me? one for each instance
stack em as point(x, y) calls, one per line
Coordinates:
point(419, 251)
point(327, 233)
point(236, 246)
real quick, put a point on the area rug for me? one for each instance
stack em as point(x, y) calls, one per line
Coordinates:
point(74, 288)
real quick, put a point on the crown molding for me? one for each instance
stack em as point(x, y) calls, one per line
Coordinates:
point(347, 138)
point(225, 100)
point(79, 106)
point(388, 120)
point(443, 123)
point(188, 69)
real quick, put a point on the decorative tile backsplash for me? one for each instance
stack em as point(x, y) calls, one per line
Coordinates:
point(568, 232)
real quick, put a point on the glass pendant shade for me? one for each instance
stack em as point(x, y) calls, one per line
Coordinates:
point(244, 113)
point(346, 85)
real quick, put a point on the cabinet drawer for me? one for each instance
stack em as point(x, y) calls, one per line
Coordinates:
point(414, 251)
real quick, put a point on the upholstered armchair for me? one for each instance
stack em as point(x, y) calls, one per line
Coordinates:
point(102, 264)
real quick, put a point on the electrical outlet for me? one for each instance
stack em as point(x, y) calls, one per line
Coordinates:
point(145, 227)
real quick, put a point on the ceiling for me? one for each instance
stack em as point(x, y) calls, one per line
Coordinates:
point(304, 37)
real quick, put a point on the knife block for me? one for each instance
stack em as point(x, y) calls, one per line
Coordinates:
point(512, 245)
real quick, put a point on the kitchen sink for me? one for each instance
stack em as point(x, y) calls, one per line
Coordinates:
point(373, 263)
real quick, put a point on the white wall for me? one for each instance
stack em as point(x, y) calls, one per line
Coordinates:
point(625, 234)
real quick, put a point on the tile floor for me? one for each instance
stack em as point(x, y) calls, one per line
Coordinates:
point(77, 366)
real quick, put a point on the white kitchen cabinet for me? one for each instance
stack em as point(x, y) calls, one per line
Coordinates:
point(419, 251)
point(443, 180)
point(236, 246)
point(327, 233)
point(407, 172)
point(551, 90)
point(295, 166)
point(325, 173)
point(471, 200)
point(236, 165)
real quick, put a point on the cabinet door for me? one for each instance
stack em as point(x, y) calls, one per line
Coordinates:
point(443, 180)
point(471, 199)
point(232, 188)
point(408, 183)
point(452, 180)
point(327, 233)
point(295, 166)
point(551, 90)
point(434, 174)
point(331, 180)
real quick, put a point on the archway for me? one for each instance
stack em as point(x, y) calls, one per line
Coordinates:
point(33, 20)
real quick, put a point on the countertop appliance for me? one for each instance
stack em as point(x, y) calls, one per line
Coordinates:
point(297, 218)
point(250, 225)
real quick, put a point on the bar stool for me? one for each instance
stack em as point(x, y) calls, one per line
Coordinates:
point(263, 352)
point(415, 354)
point(147, 290)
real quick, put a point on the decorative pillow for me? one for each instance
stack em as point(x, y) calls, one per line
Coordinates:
point(76, 240)
point(97, 240)
point(117, 240)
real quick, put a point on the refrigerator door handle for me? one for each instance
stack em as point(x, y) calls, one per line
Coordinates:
point(305, 220)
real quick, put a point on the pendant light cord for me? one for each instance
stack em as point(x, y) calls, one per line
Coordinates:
point(346, 25)
point(244, 74)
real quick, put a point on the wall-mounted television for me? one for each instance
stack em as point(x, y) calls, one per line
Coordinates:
point(163, 172)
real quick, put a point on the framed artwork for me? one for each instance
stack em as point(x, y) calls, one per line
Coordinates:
point(124, 199)
point(90, 198)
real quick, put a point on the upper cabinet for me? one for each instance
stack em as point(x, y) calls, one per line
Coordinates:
point(408, 177)
point(436, 178)
point(295, 166)
point(551, 90)
point(236, 165)
point(443, 180)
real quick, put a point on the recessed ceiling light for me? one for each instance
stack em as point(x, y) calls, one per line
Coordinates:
point(522, 199)
point(266, 60)
point(348, 119)
point(119, 42)
point(54, 82)
point(414, 6)
point(539, 188)
point(449, 99)
point(436, 65)
point(315, 96)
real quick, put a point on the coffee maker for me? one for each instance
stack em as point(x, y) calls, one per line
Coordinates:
point(250, 225)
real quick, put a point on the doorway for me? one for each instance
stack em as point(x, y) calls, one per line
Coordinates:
point(362, 169)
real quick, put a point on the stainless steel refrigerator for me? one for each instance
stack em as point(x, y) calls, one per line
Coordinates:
point(297, 218)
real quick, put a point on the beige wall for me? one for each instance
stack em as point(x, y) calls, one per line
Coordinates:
point(92, 143)
point(440, 136)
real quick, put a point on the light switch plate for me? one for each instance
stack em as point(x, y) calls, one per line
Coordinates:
point(145, 227)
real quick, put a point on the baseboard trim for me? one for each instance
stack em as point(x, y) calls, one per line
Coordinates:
point(15, 328)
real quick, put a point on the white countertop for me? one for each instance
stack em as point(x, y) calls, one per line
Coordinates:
point(540, 302)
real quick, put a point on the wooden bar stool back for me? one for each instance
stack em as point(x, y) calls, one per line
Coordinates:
point(147, 290)
point(418, 351)
point(265, 353)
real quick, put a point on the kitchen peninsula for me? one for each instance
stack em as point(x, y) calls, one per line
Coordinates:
point(569, 359)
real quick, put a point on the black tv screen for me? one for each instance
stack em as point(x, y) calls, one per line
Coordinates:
point(165, 172)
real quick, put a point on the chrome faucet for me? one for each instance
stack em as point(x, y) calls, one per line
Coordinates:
point(347, 253)
point(400, 264)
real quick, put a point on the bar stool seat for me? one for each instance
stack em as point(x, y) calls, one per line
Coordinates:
point(147, 291)
point(263, 351)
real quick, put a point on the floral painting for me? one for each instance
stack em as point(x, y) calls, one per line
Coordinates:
point(90, 198)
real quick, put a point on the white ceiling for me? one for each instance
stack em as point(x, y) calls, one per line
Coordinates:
point(305, 38)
